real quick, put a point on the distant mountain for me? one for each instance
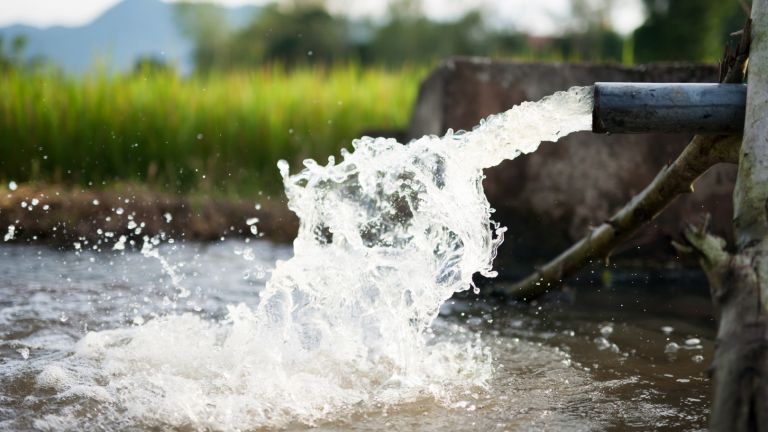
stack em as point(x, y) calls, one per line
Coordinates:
point(127, 31)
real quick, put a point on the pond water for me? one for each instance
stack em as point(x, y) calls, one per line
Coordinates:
point(630, 357)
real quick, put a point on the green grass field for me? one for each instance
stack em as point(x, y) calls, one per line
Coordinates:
point(220, 134)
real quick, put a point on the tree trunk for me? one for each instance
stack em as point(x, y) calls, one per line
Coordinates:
point(739, 283)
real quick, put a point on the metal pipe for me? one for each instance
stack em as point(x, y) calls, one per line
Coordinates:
point(674, 107)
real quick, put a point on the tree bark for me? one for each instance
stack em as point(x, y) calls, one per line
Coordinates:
point(739, 283)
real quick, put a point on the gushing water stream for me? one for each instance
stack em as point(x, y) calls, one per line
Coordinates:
point(346, 325)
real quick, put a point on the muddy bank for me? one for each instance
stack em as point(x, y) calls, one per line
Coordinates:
point(60, 216)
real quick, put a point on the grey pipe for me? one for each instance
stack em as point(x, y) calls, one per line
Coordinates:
point(675, 107)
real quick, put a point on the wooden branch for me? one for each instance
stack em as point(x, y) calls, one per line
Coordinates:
point(735, 59)
point(701, 154)
point(712, 256)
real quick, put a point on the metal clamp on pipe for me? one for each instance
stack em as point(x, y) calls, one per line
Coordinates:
point(670, 107)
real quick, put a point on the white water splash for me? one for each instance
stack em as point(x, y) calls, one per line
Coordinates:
point(10, 234)
point(386, 236)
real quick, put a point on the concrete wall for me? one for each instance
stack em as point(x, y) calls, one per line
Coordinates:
point(550, 198)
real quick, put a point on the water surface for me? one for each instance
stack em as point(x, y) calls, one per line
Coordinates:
point(603, 363)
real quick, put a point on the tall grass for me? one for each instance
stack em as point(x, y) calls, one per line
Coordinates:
point(222, 132)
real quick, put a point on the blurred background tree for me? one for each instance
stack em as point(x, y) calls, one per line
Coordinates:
point(589, 34)
point(206, 25)
point(12, 56)
point(301, 32)
point(409, 35)
point(304, 32)
point(693, 30)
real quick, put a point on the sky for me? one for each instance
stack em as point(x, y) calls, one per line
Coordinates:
point(541, 17)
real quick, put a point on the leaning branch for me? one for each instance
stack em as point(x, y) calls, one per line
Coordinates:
point(702, 153)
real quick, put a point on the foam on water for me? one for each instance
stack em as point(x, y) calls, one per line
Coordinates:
point(387, 235)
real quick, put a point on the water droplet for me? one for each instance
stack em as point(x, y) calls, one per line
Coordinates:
point(602, 343)
point(693, 341)
point(24, 352)
point(606, 330)
point(120, 245)
point(11, 233)
point(12, 185)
